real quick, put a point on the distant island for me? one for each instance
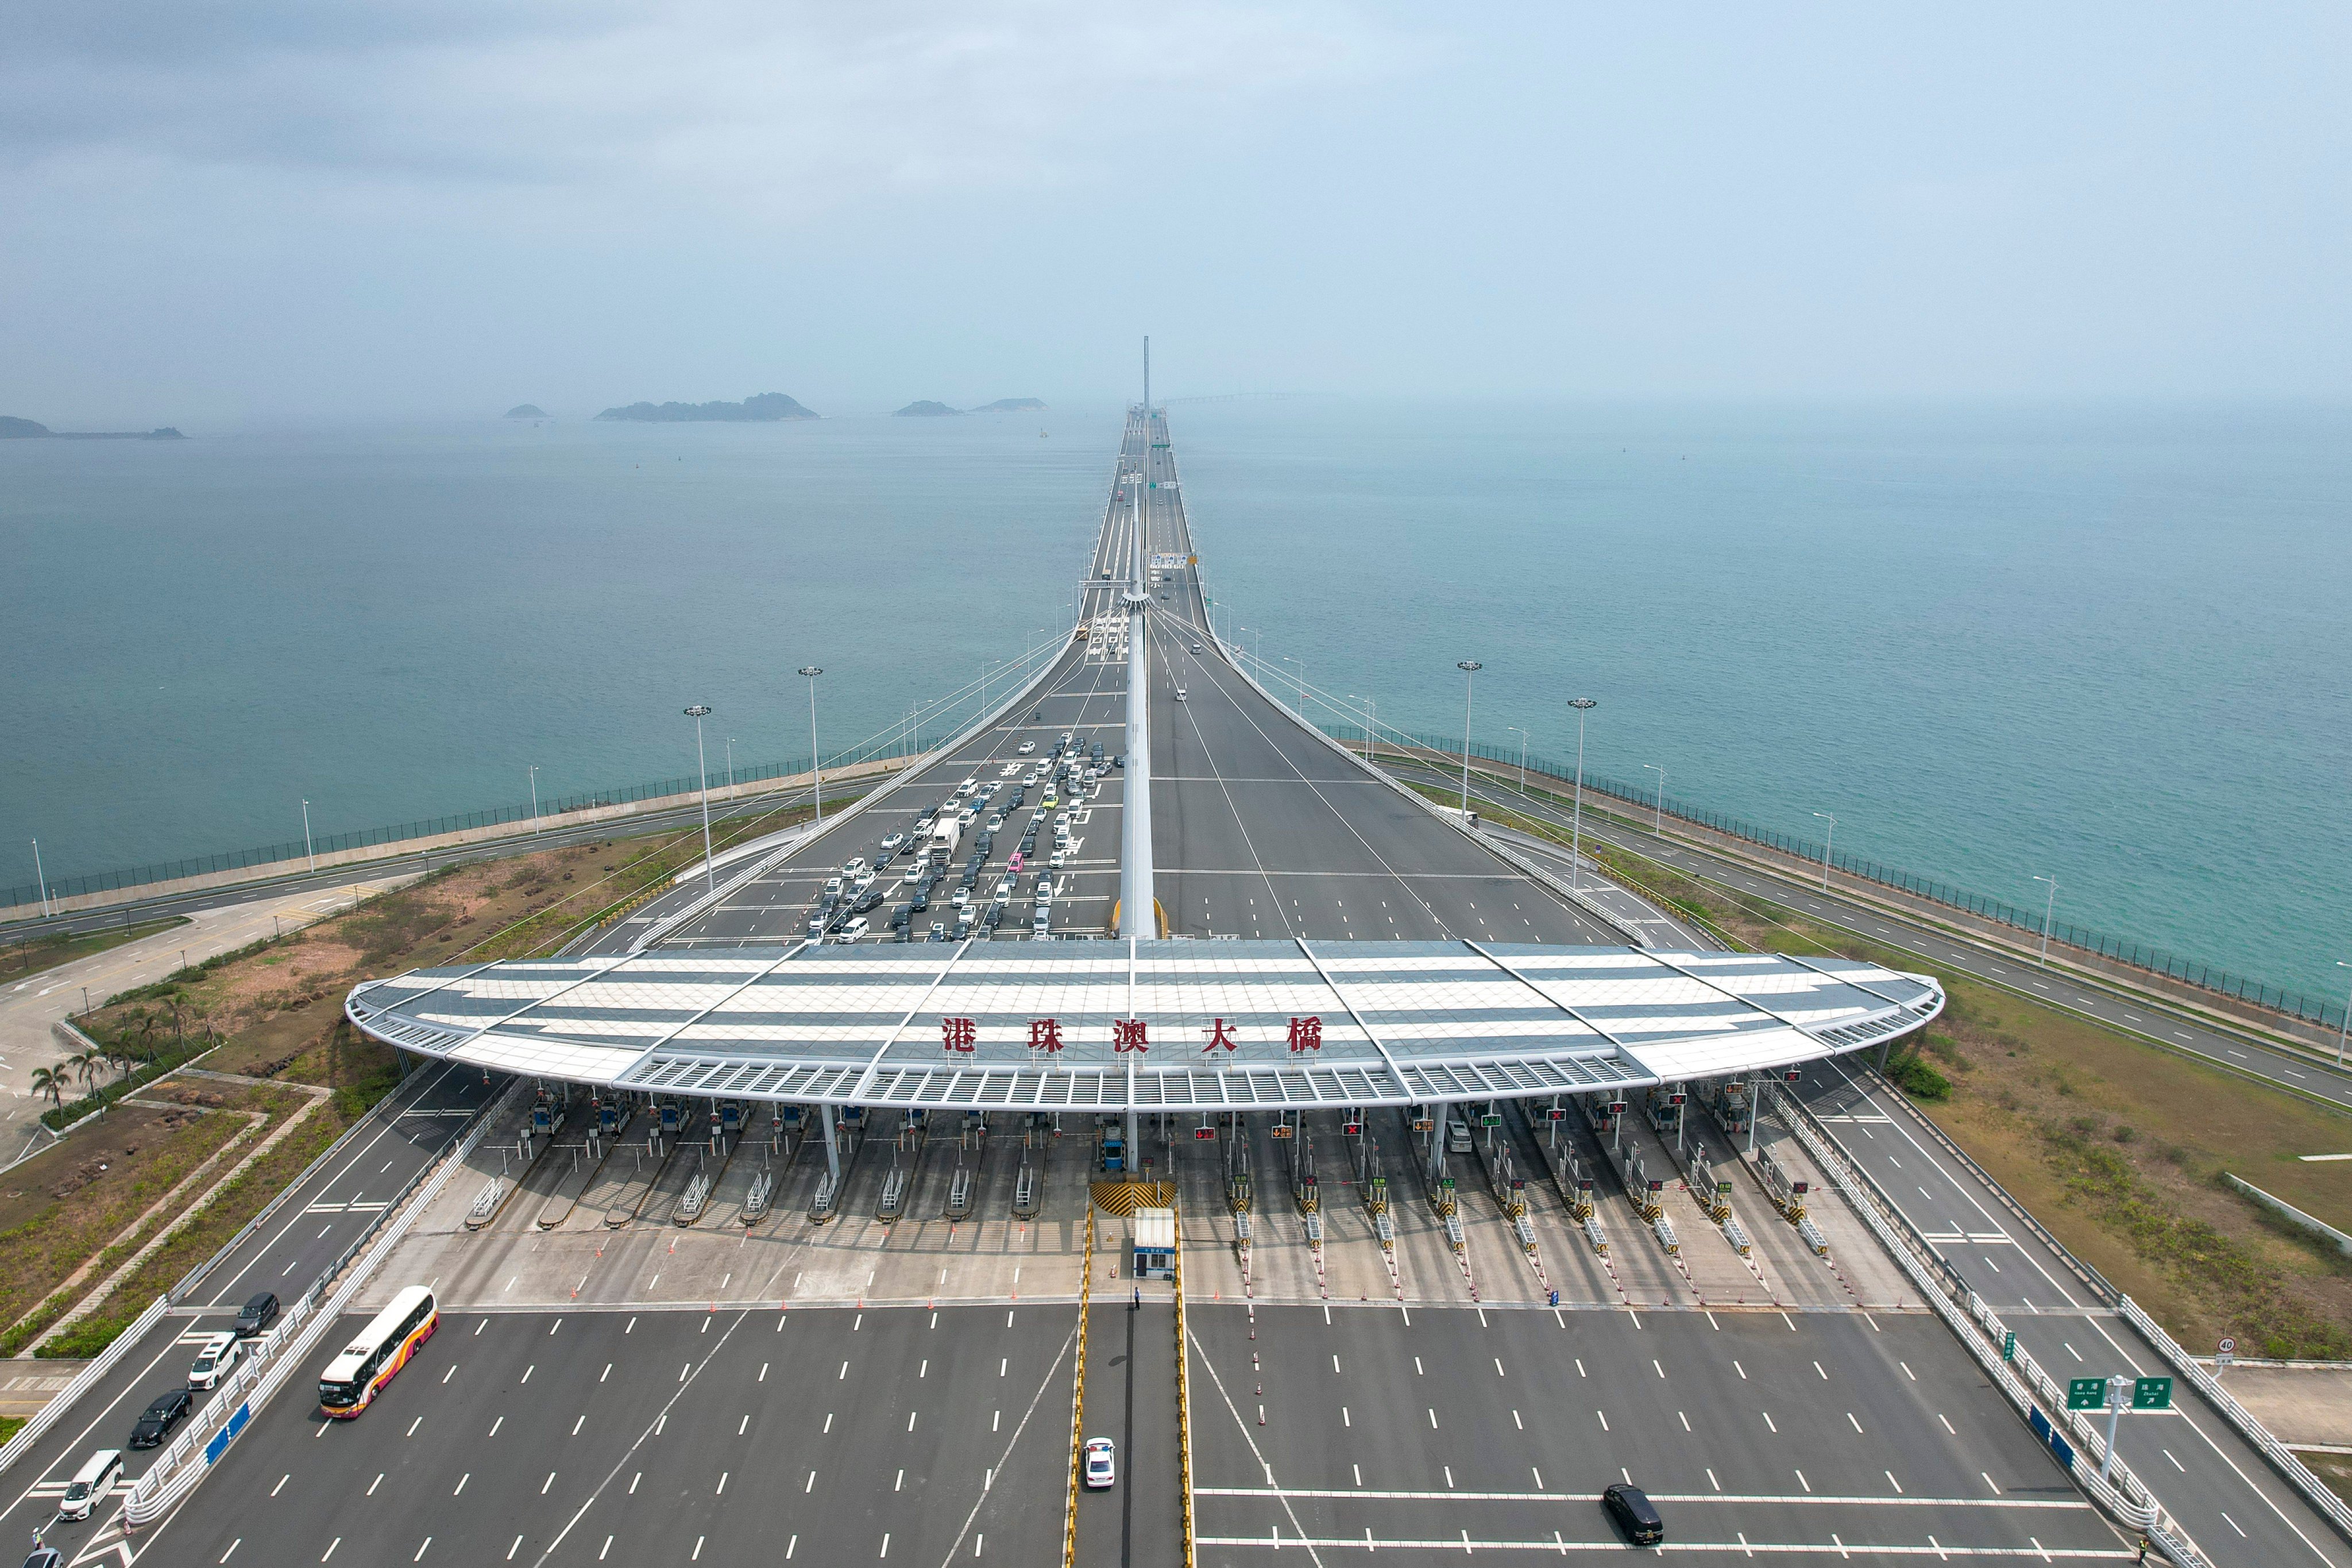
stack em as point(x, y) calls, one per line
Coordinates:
point(926, 409)
point(766, 406)
point(533, 411)
point(15, 429)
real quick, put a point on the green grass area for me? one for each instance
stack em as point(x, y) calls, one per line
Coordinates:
point(35, 953)
point(10, 1426)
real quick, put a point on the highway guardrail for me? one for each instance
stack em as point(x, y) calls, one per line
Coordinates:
point(84, 1381)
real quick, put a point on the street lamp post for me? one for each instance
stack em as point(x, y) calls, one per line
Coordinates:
point(1469, 669)
point(1299, 673)
point(1371, 723)
point(2347, 1028)
point(1658, 812)
point(1582, 705)
point(817, 773)
point(534, 798)
point(698, 712)
point(1522, 734)
point(2048, 912)
point(730, 767)
point(308, 853)
point(42, 879)
point(1827, 845)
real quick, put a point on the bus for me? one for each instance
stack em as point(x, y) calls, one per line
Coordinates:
point(377, 1352)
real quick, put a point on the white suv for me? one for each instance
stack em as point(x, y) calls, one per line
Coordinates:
point(215, 1356)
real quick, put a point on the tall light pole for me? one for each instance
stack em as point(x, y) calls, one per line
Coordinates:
point(312, 855)
point(730, 767)
point(1522, 734)
point(1658, 812)
point(1298, 672)
point(534, 798)
point(2048, 910)
point(1469, 669)
point(817, 773)
point(1582, 705)
point(698, 712)
point(1371, 723)
point(2347, 1028)
point(1827, 845)
point(41, 879)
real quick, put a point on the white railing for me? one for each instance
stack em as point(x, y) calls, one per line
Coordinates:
point(30, 1432)
point(280, 1355)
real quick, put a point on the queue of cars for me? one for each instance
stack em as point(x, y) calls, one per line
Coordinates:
point(1067, 777)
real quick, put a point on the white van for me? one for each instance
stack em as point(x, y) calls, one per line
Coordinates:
point(963, 790)
point(91, 1483)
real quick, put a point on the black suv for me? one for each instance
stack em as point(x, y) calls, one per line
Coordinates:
point(1634, 1514)
point(255, 1316)
point(167, 1412)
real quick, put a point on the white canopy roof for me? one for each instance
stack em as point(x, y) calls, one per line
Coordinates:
point(1154, 1026)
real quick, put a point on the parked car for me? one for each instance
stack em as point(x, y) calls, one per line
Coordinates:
point(165, 1412)
point(215, 1356)
point(255, 1316)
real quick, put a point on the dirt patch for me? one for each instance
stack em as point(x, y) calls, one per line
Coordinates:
point(2114, 1144)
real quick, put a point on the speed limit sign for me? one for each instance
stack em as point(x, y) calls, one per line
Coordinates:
point(2227, 1352)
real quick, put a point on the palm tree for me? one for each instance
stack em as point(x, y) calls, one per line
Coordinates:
point(88, 1064)
point(50, 1082)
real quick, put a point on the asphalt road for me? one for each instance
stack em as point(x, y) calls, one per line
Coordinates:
point(287, 1253)
point(816, 1436)
point(1426, 1434)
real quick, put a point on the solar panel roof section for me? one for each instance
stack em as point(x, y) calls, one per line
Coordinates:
point(1397, 1020)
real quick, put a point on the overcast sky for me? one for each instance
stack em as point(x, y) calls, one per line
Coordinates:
point(216, 212)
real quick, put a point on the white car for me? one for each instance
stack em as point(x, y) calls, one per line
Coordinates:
point(1196, 647)
point(215, 1356)
point(996, 821)
point(914, 874)
point(864, 880)
point(890, 845)
point(1044, 889)
point(963, 790)
point(853, 930)
point(1180, 694)
point(960, 897)
point(1059, 858)
point(1027, 747)
point(832, 888)
point(1100, 1470)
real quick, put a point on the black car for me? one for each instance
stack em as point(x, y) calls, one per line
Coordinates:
point(870, 900)
point(1635, 1515)
point(256, 1315)
point(995, 916)
point(921, 900)
point(900, 915)
point(167, 1412)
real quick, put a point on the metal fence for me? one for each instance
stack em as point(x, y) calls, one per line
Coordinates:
point(2194, 972)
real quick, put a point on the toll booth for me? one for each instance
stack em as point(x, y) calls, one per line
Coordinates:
point(1152, 1244)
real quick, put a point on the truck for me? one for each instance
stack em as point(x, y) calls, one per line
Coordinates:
point(944, 834)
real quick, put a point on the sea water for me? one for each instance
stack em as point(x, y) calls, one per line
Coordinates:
point(2103, 643)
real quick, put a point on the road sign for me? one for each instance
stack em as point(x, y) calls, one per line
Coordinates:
point(1555, 1114)
point(2009, 1345)
point(1279, 1130)
point(2227, 1354)
point(2152, 1394)
point(1351, 1129)
point(1205, 1134)
point(1723, 1189)
point(1492, 1118)
point(2086, 1393)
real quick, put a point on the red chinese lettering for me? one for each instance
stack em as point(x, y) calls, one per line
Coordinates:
point(1306, 1034)
point(1219, 1035)
point(958, 1034)
point(1044, 1034)
point(1126, 1034)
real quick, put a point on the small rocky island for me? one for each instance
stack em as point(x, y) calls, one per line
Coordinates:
point(927, 409)
point(767, 406)
point(526, 411)
point(923, 408)
point(15, 429)
point(1012, 405)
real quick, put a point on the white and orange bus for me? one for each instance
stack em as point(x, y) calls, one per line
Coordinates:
point(377, 1352)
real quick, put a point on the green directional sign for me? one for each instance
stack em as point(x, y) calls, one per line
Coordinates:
point(2086, 1393)
point(1490, 1120)
point(2009, 1345)
point(2152, 1394)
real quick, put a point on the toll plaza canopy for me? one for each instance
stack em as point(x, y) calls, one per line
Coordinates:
point(1146, 1025)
